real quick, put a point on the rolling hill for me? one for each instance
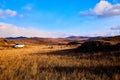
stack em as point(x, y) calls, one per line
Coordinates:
point(4, 43)
point(112, 39)
point(44, 41)
point(55, 41)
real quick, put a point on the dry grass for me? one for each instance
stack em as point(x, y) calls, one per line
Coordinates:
point(113, 40)
point(59, 63)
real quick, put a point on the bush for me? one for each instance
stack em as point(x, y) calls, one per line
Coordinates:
point(93, 46)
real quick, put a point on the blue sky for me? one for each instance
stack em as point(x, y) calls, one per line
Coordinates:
point(59, 18)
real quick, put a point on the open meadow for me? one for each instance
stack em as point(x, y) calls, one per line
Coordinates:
point(58, 63)
point(59, 39)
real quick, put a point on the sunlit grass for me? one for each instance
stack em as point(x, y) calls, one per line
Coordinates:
point(44, 63)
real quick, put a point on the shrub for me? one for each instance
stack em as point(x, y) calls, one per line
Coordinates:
point(93, 46)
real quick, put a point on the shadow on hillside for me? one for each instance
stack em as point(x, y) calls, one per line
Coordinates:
point(90, 55)
point(97, 70)
point(69, 52)
point(89, 47)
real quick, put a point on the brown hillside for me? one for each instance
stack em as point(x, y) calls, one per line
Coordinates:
point(5, 43)
point(44, 41)
point(112, 40)
point(102, 44)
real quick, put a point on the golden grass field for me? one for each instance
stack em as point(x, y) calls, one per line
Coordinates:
point(59, 63)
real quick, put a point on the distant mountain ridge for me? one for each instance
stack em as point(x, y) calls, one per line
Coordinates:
point(13, 38)
point(77, 37)
point(57, 41)
point(84, 37)
point(39, 40)
point(70, 37)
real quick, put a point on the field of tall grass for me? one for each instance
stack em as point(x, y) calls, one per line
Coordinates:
point(58, 63)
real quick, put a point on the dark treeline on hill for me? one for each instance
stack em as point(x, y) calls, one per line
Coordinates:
point(93, 46)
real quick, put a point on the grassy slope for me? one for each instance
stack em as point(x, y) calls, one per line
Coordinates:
point(47, 41)
point(40, 62)
point(43, 63)
point(36, 41)
point(113, 40)
point(5, 43)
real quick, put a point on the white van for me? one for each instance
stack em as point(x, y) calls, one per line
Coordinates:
point(18, 45)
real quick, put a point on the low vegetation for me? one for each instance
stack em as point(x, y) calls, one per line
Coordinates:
point(4, 43)
point(58, 63)
point(95, 46)
point(61, 62)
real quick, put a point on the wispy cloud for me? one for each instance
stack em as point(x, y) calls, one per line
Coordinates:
point(26, 10)
point(28, 7)
point(1, 13)
point(21, 15)
point(10, 30)
point(103, 9)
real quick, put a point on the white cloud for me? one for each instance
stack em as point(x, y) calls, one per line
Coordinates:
point(10, 12)
point(113, 31)
point(104, 33)
point(9, 30)
point(116, 28)
point(7, 12)
point(103, 9)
